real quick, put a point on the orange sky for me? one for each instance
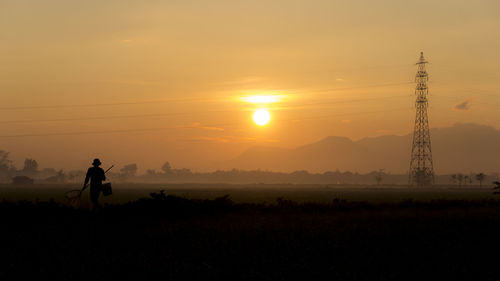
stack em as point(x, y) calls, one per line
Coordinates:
point(151, 81)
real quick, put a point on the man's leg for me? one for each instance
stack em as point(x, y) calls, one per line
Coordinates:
point(94, 197)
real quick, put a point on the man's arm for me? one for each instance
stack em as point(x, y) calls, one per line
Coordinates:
point(87, 178)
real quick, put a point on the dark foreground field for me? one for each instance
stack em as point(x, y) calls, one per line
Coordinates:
point(173, 238)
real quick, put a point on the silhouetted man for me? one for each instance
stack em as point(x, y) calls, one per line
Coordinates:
point(96, 176)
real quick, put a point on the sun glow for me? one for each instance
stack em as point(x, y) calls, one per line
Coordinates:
point(261, 117)
point(262, 99)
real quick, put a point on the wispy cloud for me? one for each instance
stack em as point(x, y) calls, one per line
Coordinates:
point(232, 139)
point(208, 139)
point(262, 99)
point(133, 82)
point(210, 128)
point(463, 106)
point(241, 81)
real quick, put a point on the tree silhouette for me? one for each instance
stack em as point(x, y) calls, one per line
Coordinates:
point(480, 177)
point(61, 177)
point(460, 178)
point(30, 166)
point(454, 178)
point(166, 168)
point(5, 162)
point(129, 170)
point(378, 176)
point(5, 165)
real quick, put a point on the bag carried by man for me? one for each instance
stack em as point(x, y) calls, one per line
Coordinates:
point(106, 189)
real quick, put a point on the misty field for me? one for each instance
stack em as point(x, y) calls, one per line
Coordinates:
point(194, 232)
point(253, 193)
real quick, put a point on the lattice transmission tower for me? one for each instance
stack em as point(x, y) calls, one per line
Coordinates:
point(421, 167)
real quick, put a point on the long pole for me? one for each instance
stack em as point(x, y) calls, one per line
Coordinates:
point(109, 168)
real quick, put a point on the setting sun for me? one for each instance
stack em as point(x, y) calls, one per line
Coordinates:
point(261, 117)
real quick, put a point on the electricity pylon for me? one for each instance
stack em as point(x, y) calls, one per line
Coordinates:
point(421, 167)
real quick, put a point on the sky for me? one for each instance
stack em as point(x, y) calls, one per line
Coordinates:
point(152, 81)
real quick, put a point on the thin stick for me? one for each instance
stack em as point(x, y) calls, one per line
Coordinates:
point(109, 169)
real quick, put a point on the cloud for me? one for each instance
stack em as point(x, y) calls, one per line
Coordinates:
point(241, 81)
point(210, 128)
point(262, 99)
point(209, 139)
point(232, 139)
point(465, 105)
point(132, 82)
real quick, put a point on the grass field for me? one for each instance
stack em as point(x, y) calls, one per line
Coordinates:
point(367, 233)
point(257, 193)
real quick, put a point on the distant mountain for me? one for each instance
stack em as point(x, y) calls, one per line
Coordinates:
point(461, 148)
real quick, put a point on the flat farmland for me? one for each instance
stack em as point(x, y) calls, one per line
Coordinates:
point(254, 193)
point(312, 232)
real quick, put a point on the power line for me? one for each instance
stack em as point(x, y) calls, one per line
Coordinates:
point(355, 100)
point(87, 132)
point(36, 107)
point(364, 87)
point(96, 104)
point(183, 127)
point(115, 117)
point(107, 117)
point(184, 113)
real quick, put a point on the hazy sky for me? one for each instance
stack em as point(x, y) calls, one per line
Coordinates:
point(149, 81)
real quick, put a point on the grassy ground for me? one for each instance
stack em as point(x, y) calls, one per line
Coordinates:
point(257, 193)
point(440, 235)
